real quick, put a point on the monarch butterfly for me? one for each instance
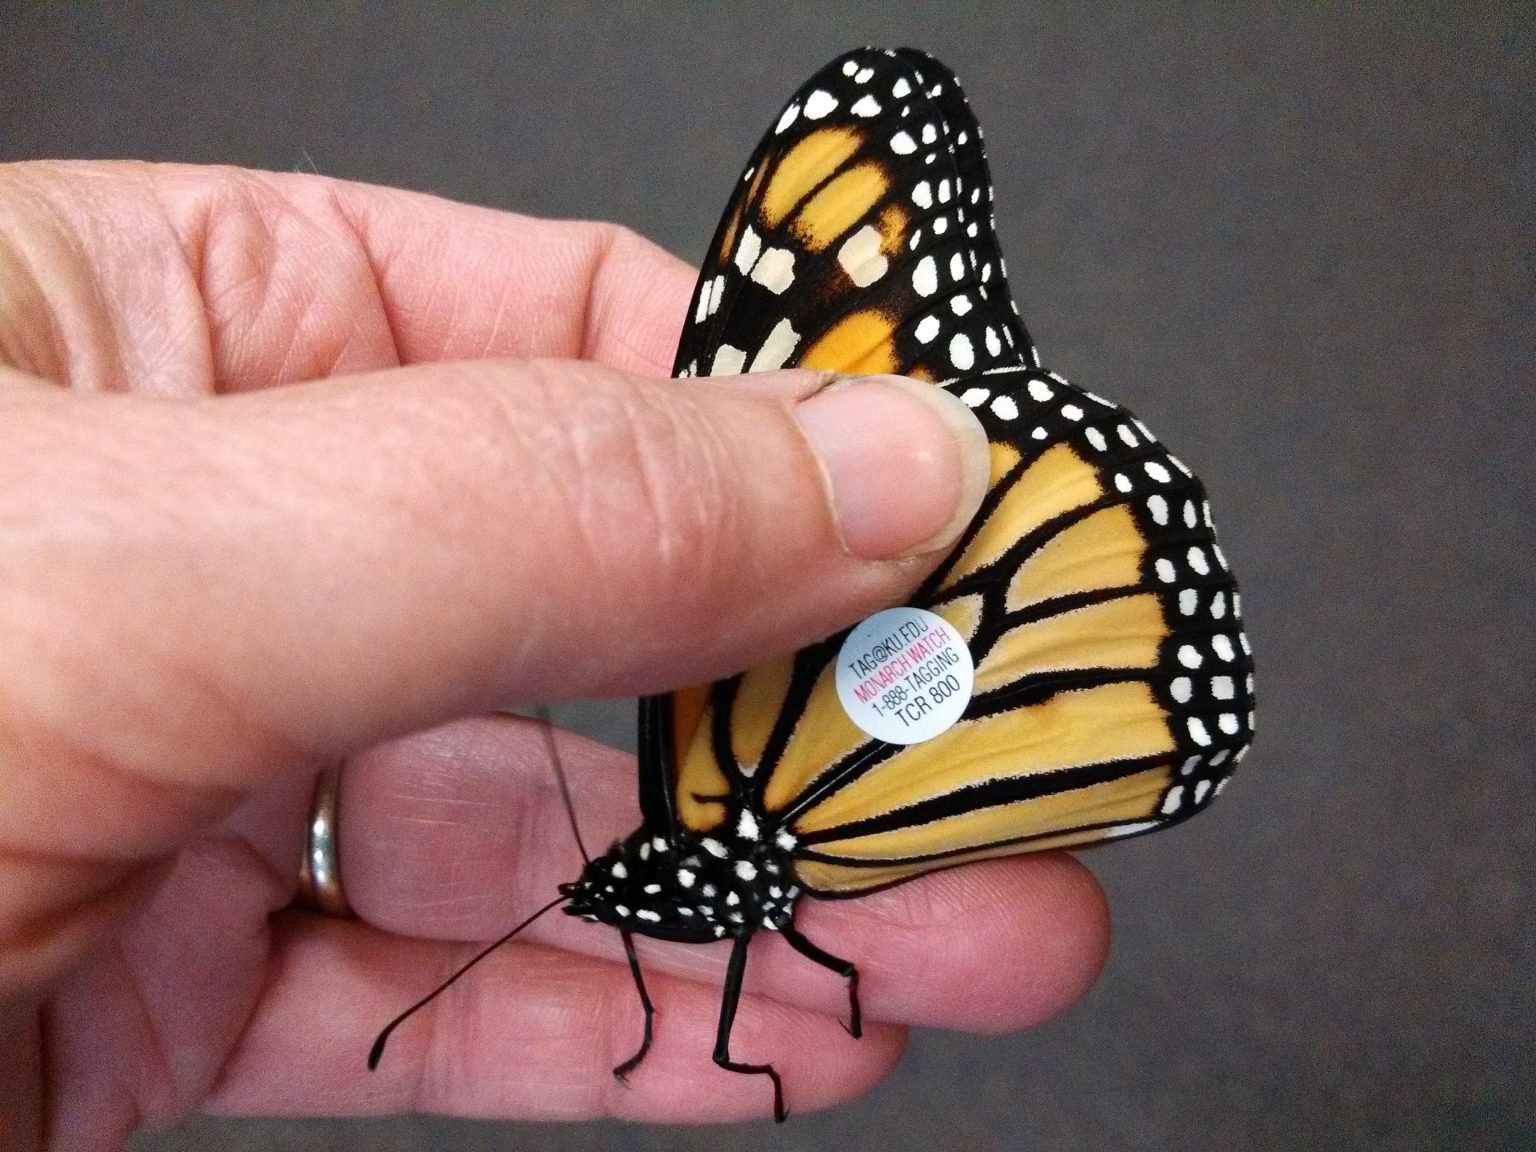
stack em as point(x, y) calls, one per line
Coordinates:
point(1110, 690)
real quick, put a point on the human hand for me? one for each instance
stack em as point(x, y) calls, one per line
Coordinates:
point(283, 483)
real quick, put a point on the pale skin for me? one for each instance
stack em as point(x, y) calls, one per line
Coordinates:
point(296, 472)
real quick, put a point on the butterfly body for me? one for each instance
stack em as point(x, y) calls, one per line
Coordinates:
point(691, 889)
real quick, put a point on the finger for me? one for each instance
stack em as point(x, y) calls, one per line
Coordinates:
point(986, 947)
point(176, 279)
point(199, 594)
point(533, 1033)
point(461, 282)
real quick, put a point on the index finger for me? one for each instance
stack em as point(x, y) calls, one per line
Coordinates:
point(175, 278)
point(461, 282)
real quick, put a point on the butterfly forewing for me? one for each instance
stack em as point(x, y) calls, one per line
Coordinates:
point(860, 238)
point(1113, 682)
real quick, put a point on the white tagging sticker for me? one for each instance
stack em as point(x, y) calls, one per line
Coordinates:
point(905, 675)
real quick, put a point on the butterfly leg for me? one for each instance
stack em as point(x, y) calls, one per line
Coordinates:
point(843, 968)
point(621, 1073)
point(728, 1002)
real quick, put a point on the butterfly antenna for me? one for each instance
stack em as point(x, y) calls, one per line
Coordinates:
point(377, 1051)
point(542, 712)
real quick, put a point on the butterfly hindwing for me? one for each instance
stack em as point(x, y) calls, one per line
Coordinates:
point(1113, 682)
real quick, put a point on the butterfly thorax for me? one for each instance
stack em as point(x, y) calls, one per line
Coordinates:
point(691, 888)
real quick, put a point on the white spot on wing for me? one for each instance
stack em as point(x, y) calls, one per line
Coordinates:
point(860, 257)
point(777, 348)
point(748, 249)
point(775, 270)
point(728, 361)
point(818, 104)
point(925, 277)
point(961, 354)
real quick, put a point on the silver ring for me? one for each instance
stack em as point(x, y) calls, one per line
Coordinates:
point(320, 871)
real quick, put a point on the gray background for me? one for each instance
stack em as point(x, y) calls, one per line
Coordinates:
point(1299, 245)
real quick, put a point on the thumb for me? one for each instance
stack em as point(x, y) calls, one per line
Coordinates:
point(204, 592)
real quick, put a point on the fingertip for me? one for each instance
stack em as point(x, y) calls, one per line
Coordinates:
point(1071, 955)
point(989, 947)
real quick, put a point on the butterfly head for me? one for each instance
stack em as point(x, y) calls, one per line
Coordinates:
point(688, 887)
